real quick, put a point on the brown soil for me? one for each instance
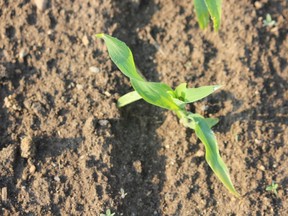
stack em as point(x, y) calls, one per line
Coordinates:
point(65, 148)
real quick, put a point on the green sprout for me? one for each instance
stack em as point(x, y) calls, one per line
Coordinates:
point(268, 21)
point(273, 188)
point(108, 213)
point(161, 95)
point(122, 193)
point(206, 8)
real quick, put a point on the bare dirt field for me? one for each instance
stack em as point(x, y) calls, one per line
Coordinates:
point(66, 149)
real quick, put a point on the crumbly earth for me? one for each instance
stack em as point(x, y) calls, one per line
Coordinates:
point(83, 150)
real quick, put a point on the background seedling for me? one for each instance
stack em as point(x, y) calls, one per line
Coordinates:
point(122, 193)
point(206, 8)
point(273, 188)
point(108, 213)
point(268, 21)
point(160, 94)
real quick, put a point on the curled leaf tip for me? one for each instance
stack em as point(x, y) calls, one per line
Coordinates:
point(101, 35)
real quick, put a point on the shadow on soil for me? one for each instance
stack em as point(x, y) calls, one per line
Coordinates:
point(11, 75)
point(138, 168)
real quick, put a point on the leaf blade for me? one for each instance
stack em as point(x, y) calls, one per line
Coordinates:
point(121, 55)
point(202, 13)
point(214, 8)
point(211, 121)
point(128, 98)
point(213, 158)
point(155, 93)
point(195, 94)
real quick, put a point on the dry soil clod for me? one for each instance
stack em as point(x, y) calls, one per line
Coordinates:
point(11, 103)
point(3, 72)
point(28, 148)
point(4, 194)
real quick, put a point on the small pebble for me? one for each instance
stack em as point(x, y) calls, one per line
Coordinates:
point(71, 85)
point(32, 169)
point(79, 87)
point(103, 122)
point(261, 167)
point(94, 69)
point(107, 93)
point(50, 32)
point(4, 194)
point(148, 193)
point(199, 153)
point(137, 166)
point(85, 40)
point(23, 53)
point(24, 176)
point(41, 4)
point(57, 179)
point(27, 147)
point(258, 5)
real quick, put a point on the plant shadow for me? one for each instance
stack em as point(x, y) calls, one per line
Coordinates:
point(138, 168)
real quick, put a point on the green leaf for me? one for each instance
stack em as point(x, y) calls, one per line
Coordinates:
point(180, 91)
point(155, 93)
point(268, 18)
point(121, 55)
point(214, 8)
point(179, 103)
point(128, 98)
point(195, 94)
point(211, 121)
point(202, 13)
point(190, 95)
point(213, 158)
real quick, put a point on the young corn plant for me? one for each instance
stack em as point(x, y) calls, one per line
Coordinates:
point(205, 9)
point(269, 21)
point(108, 213)
point(161, 95)
point(273, 188)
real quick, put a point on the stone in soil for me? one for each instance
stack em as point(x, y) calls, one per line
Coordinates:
point(41, 4)
point(28, 148)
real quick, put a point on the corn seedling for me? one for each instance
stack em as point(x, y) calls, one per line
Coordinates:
point(161, 95)
point(268, 21)
point(206, 8)
point(108, 213)
point(273, 188)
point(122, 193)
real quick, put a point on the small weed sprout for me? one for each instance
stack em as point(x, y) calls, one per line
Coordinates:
point(122, 193)
point(273, 188)
point(108, 213)
point(162, 95)
point(268, 21)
